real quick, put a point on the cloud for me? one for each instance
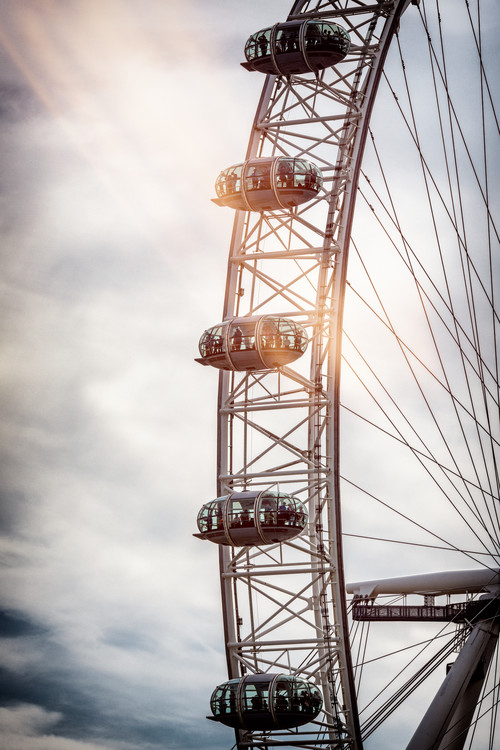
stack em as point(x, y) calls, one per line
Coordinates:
point(114, 124)
point(30, 727)
point(109, 247)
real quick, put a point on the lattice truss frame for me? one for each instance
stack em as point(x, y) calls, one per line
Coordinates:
point(281, 603)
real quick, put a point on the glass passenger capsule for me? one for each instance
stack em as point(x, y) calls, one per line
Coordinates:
point(268, 184)
point(251, 518)
point(296, 47)
point(254, 343)
point(265, 701)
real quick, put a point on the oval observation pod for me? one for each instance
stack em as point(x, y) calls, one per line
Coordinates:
point(268, 184)
point(254, 343)
point(245, 519)
point(265, 701)
point(296, 47)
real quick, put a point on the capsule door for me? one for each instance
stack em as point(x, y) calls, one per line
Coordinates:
point(257, 184)
point(241, 520)
point(255, 703)
point(287, 49)
point(242, 346)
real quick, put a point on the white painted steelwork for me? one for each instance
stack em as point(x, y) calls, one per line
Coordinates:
point(294, 264)
point(443, 582)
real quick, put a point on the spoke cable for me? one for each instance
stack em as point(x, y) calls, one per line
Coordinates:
point(417, 456)
point(419, 525)
point(472, 306)
point(425, 173)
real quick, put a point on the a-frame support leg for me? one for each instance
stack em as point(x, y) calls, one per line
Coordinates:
point(447, 720)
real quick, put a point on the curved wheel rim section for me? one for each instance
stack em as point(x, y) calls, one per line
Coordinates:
point(284, 605)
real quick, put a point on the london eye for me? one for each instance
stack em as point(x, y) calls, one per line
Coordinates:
point(356, 513)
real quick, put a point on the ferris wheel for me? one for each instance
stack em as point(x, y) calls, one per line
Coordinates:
point(392, 478)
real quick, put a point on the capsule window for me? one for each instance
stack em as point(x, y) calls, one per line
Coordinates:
point(332, 37)
point(259, 45)
point(287, 39)
point(282, 701)
point(241, 513)
point(212, 341)
point(316, 698)
point(263, 43)
point(204, 519)
point(313, 35)
point(317, 177)
point(293, 511)
point(298, 173)
point(255, 697)
point(300, 515)
point(210, 517)
point(296, 338)
point(304, 697)
point(288, 334)
point(268, 513)
point(258, 177)
point(214, 517)
point(286, 513)
point(284, 174)
point(242, 337)
point(270, 334)
point(291, 336)
point(229, 181)
point(223, 701)
point(304, 177)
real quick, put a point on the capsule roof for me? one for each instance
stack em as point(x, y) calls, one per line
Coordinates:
point(268, 184)
point(265, 342)
point(265, 701)
point(252, 518)
point(296, 47)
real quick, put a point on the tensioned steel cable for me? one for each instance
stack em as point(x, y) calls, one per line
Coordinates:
point(460, 131)
point(371, 538)
point(446, 469)
point(477, 515)
point(438, 244)
point(432, 283)
point(443, 202)
point(412, 683)
point(473, 311)
point(449, 544)
point(477, 41)
point(413, 353)
point(493, 709)
point(484, 82)
point(475, 417)
point(446, 386)
point(448, 304)
point(391, 704)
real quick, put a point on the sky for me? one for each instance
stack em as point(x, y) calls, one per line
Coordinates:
point(115, 119)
